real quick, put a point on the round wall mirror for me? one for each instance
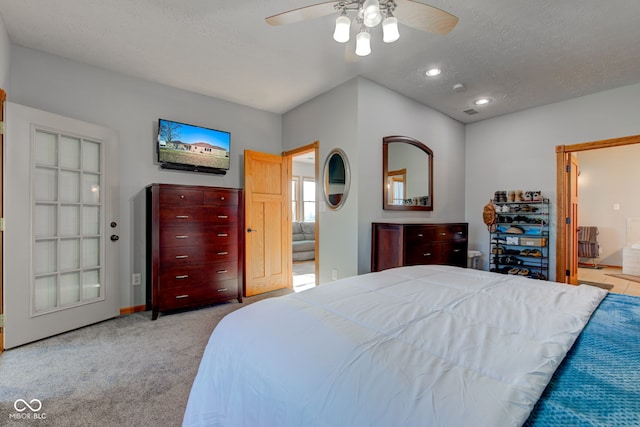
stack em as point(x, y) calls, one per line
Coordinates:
point(337, 178)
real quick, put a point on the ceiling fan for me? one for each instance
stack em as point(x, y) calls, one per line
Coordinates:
point(370, 13)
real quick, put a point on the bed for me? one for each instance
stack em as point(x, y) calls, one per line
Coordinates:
point(411, 346)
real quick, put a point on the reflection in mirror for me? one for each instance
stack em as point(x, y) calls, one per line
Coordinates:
point(407, 174)
point(336, 178)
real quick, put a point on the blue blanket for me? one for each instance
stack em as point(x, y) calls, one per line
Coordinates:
point(598, 383)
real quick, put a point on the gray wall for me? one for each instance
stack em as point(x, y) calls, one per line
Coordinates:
point(609, 176)
point(132, 107)
point(355, 117)
point(4, 57)
point(331, 120)
point(517, 151)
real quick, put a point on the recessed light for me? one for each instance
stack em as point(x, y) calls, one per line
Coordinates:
point(432, 72)
point(482, 101)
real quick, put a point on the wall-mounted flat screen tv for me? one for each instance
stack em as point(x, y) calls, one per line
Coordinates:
point(190, 147)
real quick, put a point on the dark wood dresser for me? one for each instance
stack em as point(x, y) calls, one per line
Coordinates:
point(400, 244)
point(194, 246)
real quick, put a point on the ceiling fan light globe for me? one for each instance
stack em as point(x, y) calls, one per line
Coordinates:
point(343, 28)
point(371, 13)
point(363, 43)
point(390, 31)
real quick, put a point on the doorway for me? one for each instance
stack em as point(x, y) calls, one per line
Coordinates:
point(305, 194)
point(567, 215)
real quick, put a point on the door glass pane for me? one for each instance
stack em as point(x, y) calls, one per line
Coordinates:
point(69, 288)
point(69, 220)
point(44, 293)
point(69, 186)
point(46, 149)
point(69, 152)
point(90, 220)
point(90, 188)
point(45, 188)
point(91, 284)
point(91, 156)
point(45, 224)
point(69, 254)
point(91, 252)
point(45, 257)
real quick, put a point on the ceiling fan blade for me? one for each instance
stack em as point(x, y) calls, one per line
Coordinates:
point(303, 13)
point(424, 17)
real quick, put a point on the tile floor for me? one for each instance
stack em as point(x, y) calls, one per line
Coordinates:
point(621, 286)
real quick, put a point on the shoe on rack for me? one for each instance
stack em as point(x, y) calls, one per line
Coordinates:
point(524, 272)
point(514, 271)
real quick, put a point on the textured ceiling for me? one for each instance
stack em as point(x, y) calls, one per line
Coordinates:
point(521, 53)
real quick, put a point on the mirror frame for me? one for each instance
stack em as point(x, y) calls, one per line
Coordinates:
point(385, 173)
point(347, 178)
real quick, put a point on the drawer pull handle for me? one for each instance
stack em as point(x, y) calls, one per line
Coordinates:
point(223, 216)
point(427, 254)
point(223, 253)
point(456, 250)
point(420, 235)
point(222, 198)
point(182, 296)
point(182, 256)
point(222, 271)
point(182, 216)
point(182, 237)
point(443, 234)
point(184, 276)
point(222, 234)
point(222, 290)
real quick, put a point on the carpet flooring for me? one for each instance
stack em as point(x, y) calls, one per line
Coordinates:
point(128, 371)
point(626, 277)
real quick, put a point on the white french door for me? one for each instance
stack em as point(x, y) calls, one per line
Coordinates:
point(60, 213)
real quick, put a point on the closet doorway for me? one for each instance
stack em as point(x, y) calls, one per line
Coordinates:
point(305, 196)
point(567, 213)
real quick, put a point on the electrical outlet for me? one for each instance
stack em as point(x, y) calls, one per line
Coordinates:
point(334, 274)
point(136, 279)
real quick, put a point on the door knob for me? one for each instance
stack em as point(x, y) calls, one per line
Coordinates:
point(115, 237)
point(251, 230)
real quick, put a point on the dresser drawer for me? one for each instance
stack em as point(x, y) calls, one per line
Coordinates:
point(198, 274)
point(192, 235)
point(418, 234)
point(184, 296)
point(180, 196)
point(178, 256)
point(424, 254)
point(221, 197)
point(170, 216)
point(450, 232)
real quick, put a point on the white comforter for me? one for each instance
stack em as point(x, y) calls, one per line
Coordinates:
point(414, 346)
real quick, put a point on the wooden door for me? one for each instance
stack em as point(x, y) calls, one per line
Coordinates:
point(268, 262)
point(572, 230)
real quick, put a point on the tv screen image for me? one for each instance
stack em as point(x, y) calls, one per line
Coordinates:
point(190, 145)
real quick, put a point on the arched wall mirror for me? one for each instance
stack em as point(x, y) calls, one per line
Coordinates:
point(407, 171)
point(337, 178)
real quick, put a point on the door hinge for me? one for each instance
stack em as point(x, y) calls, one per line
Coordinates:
point(1, 128)
point(568, 168)
point(567, 220)
point(1, 224)
point(567, 272)
point(1, 320)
